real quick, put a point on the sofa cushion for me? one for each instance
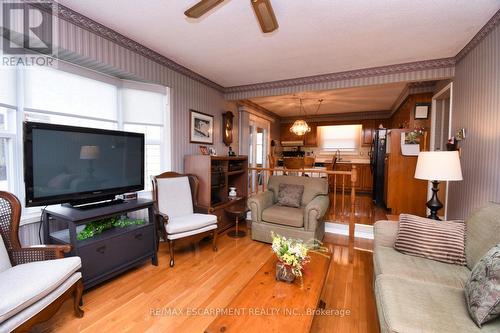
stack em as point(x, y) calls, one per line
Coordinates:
point(436, 240)
point(4, 257)
point(19, 318)
point(389, 261)
point(189, 222)
point(23, 285)
point(482, 290)
point(289, 216)
point(313, 186)
point(290, 195)
point(483, 232)
point(409, 306)
point(385, 233)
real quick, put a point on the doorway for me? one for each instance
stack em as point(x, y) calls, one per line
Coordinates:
point(258, 149)
point(441, 131)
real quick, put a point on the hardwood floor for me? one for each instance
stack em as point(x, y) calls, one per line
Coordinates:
point(156, 299)
point(366, 211)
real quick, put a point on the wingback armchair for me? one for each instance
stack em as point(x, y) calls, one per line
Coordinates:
point(305, 222)
point(35, 280)
point(177, 212)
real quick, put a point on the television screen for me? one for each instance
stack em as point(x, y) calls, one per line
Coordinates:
point(76, 164)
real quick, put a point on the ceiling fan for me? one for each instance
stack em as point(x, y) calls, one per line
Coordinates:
point(263, 11)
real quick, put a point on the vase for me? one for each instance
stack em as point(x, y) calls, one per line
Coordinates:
point(284, 272)
point(232, 192)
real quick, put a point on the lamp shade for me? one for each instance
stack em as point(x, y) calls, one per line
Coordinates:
point(438, 165)
point(89, 152)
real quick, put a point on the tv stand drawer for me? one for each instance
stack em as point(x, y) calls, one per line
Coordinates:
point(111, 256)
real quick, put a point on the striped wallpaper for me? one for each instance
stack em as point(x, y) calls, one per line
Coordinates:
point(476, 107)
point(85, 48)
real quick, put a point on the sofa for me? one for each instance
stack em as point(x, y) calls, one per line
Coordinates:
point(415, 294)
point(305, 222)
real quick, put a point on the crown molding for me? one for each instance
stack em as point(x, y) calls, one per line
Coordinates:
point(352, 74)
point(259, 108)
point(86, 23)
point(411, 89)
point(485, 30)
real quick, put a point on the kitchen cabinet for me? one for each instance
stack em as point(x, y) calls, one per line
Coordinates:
point(364, 182)
point(368, 128)
point(311, 138)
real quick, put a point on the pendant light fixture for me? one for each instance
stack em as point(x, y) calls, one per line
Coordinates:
point(300, 126)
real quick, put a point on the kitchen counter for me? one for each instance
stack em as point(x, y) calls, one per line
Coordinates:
point(343, 160)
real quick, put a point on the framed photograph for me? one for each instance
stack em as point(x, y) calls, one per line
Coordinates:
point(204, 150)
point(422, 110)
point(212, 151)
point(201, 127)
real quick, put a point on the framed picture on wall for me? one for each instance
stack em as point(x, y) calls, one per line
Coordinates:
point(422, 110)
point(201, 127)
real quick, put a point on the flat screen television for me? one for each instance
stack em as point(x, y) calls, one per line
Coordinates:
point(77, 165)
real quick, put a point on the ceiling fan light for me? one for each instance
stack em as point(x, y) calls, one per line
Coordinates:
point(201, 8)
point(265, 14)
point(300, 127)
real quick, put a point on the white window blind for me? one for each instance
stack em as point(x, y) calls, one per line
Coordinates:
point(7, 85)
point(341, 137)
point(62, 92)
point(143, 107)
point(143, 103)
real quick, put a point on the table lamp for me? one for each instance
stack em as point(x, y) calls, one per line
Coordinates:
point(438, 166)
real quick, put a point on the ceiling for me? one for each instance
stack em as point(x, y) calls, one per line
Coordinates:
point(350, 100)
point(314, 37)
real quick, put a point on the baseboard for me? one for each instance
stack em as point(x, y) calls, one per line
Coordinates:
point(360, 230)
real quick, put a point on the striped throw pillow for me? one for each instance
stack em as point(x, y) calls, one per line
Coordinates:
point(436, 240)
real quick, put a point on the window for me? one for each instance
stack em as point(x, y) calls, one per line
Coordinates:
point(79, 97)
point(345, 138)
point(259, 145)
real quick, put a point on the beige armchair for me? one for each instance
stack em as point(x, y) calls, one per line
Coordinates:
point(305, 222)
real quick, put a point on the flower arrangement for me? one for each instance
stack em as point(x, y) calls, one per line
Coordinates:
point(290, 252)
point(413, 137)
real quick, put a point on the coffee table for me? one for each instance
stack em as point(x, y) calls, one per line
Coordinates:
point(267, 305)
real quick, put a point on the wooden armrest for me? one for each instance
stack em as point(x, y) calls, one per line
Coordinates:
point(39, 253)
point(162, 216)
point(60, 250)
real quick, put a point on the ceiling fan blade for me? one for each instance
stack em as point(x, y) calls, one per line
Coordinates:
point(201, 8)
point(265, 15)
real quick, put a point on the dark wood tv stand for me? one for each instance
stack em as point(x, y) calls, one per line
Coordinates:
point(110, 253)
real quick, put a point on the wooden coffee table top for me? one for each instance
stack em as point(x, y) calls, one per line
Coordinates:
point(267, 305)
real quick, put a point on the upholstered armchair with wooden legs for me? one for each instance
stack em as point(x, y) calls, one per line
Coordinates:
point(177, 212)
point(35, 280)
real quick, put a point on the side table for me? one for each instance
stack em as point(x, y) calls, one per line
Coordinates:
point(237, 211)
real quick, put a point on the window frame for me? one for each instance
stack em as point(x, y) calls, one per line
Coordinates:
point(15, 164)
point(343, 151)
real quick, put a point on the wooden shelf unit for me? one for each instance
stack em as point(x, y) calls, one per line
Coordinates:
point(216, 174)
